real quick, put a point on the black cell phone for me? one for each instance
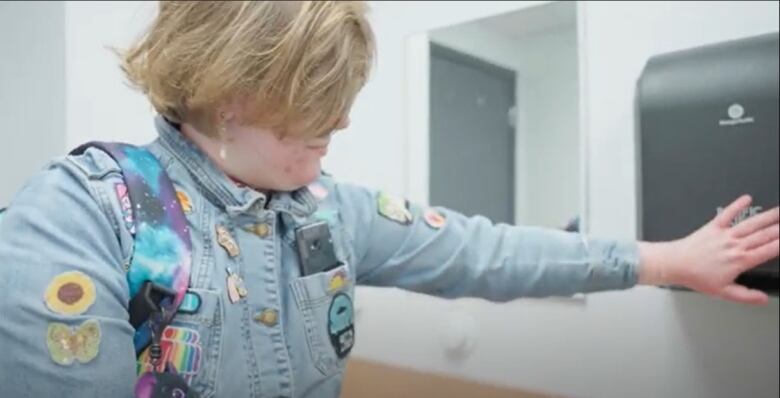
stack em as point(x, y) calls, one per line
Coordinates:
point(315, 248)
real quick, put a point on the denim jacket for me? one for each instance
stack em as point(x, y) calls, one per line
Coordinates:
point(66, 241)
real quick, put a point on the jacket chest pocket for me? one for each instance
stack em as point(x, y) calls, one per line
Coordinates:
point(342, 240)
point(325, 301)
point(191, 343)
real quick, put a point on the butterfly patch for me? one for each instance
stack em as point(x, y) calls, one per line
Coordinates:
point(67, 345)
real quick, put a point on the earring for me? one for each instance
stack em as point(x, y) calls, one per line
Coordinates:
point(222, 131)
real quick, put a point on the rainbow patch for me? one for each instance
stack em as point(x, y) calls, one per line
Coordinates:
point(181, 347)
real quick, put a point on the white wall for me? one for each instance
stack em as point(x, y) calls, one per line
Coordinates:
point(99, 103)
point(549, 104)
point(60, 85)
point(641, 343)
point(32, 90)
point(480, 42)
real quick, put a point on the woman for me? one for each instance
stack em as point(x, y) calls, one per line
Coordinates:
point(249, 95)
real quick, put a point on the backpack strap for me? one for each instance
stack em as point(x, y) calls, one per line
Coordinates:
point(159, 272)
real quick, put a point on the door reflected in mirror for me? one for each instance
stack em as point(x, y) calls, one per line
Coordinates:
point(494, 118)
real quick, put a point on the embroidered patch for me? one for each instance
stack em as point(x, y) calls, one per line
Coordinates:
point(70, 293)
point(181, 347)
point(67, 345)
point(434, 219)
point(126, 206)
point(337, 281)
point(184, 201)
point(318, 190)
point(190, 304)
point(394, 209)
point(226, 241)
point(341, 326)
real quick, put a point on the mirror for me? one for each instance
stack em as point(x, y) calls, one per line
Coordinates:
point(494, 118)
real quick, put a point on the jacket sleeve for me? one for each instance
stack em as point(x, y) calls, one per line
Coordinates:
point(63, 289)
point(441, 252)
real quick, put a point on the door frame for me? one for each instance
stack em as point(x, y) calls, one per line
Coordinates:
point(416, 94)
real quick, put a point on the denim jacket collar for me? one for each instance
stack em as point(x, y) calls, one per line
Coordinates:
point(219, 187)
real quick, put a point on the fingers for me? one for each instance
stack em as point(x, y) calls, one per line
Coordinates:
point(762, 237)
point(731, 212)
point(741, 294)
point(762, 254)
point(757, 222)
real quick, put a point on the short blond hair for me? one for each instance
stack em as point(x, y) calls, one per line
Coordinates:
point(291, 63)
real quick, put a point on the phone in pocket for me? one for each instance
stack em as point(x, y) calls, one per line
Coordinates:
point(315, 248)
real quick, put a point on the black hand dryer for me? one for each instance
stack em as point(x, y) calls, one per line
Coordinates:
point(707, 132)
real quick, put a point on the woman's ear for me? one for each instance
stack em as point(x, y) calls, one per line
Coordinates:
point(228, 111)
point(225, 115)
